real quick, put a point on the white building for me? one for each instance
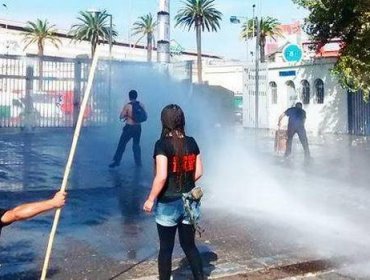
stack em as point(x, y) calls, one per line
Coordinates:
point(311, 83)
point(283, 84)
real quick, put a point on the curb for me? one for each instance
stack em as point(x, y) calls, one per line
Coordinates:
point(255, 266)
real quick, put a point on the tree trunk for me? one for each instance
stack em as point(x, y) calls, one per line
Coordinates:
point(94, 42)
point(262, 48)
point(199, 51)
point(41, 66)
point(149, 46)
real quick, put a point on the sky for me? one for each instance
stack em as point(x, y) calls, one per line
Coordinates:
point(226, 42)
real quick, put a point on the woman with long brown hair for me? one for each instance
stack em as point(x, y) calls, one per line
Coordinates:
point(177, 167)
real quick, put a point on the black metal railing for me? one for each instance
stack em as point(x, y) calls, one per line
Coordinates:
point(358, 114)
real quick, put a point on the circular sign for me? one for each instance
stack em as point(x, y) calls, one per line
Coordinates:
point(292, 53)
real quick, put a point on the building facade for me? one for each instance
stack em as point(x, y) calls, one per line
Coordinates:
point(281, 85)
point(312, 84)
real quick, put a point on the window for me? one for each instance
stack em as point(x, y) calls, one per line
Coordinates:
point(291, 93)
point(305, 92)
point(273, 90)
point(319, 91)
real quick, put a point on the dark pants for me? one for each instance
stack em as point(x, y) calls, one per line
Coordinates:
point(301, 131)
point(167, 241)
point(128, 132)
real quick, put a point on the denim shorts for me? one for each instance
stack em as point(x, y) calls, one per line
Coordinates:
point(172, 213)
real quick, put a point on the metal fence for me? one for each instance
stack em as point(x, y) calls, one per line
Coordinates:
point(358, 114)
point(47, 92)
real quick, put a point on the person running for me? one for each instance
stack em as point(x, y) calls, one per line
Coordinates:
point(297, 118)
point(29, 210)
point(178, 166)
point(133, 113)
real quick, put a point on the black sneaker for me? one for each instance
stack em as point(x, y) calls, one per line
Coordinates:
point(113, 164)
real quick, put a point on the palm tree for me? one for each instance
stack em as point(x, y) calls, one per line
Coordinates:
point(145, 26)
point(39, 32)
point(269, 27)
point(201, 15)
point(94, 27)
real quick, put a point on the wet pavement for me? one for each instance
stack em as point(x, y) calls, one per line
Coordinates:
point(252, 230)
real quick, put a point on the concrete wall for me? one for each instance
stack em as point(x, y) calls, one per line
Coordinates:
point(226, 74)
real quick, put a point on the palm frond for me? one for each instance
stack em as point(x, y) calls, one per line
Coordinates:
point(269, 27)
point(199, 12)
point(40, 32)
point(92, 26)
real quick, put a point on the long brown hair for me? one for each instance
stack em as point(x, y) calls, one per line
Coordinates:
point(173, 128)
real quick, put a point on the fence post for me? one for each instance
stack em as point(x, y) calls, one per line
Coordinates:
point(28, 109)
point(76, 91)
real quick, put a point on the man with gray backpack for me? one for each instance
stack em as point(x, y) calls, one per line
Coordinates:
point(133, 113)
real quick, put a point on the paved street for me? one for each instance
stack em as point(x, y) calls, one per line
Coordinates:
point(264, 218)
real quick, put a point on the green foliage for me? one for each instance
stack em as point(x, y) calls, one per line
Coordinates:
point(93, 27)
point(200, 15)
point(269, 27)
point(349, 21)
point(39, 32)
point(145, 26)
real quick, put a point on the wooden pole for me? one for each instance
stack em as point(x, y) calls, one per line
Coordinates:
point(69, 162)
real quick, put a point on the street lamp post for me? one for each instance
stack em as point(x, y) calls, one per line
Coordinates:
point(256, 32)
point(6, 29)
point(256, 58)
point(7, 49)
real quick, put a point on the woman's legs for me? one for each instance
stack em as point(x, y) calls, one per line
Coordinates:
point(187, 242)
point(166, 241)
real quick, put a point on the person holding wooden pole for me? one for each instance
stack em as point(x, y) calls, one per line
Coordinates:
point(30, 210)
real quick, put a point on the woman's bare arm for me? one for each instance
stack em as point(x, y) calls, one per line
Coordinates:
point(198, 168)
point(158, 182)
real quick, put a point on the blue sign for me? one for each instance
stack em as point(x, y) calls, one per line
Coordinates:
point(287, 73)
point(292, 53)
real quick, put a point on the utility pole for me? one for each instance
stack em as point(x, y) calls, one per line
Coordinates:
point(256, 58)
